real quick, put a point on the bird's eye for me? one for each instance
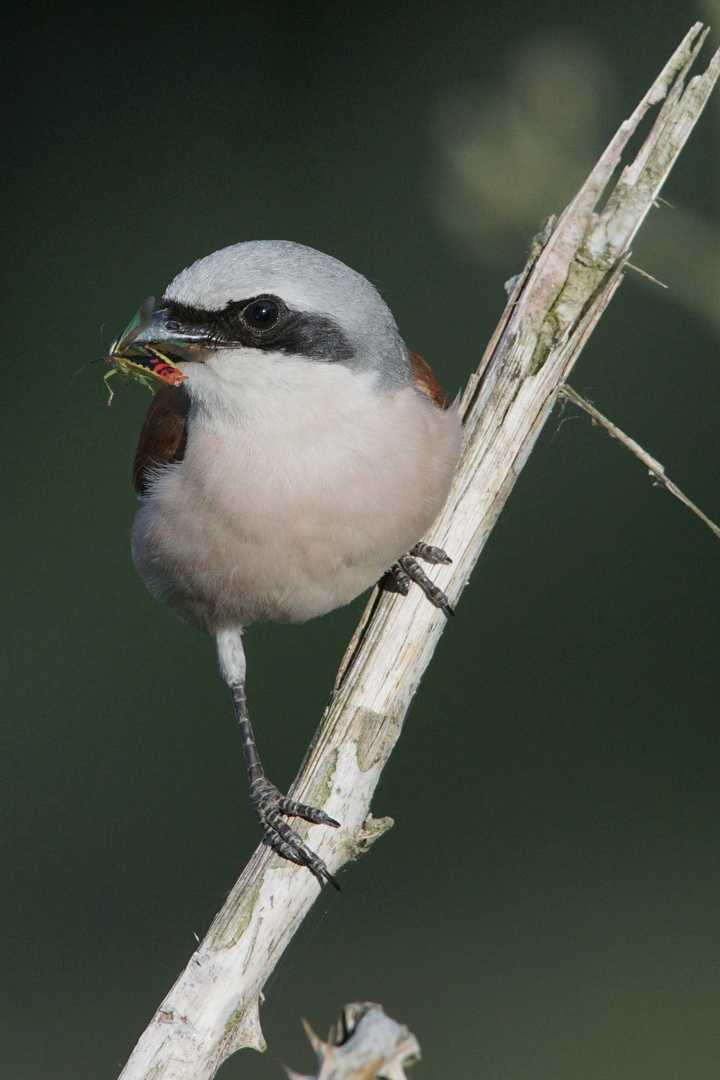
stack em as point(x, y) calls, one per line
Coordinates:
point(261, 314)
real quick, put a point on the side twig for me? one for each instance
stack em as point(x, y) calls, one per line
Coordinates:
point(555, 302)
point(652, 465)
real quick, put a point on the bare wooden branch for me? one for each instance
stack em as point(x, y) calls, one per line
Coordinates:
point(578, 263)
point(652, 464)
point(365, 1044)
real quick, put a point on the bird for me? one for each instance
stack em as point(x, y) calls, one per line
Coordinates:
point(298, 458)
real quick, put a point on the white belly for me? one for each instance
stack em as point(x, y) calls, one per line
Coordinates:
point(298, 508)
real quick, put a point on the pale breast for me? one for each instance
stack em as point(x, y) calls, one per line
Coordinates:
point(297, 510)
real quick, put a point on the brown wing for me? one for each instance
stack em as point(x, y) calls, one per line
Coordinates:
point(426, 381)
point(163, 437)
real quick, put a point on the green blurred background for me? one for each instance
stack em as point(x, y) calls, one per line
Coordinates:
point(555, 913)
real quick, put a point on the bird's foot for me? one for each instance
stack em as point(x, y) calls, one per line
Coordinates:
point(408, 569)
point(269, 805)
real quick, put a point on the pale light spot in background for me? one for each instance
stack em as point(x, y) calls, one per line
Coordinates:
point(510, 158)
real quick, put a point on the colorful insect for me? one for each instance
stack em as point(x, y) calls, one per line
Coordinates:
point(142, 362)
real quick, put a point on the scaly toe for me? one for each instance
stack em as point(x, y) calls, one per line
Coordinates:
point(269, 805)
point(431, 554)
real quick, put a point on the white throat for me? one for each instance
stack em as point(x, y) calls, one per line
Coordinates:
point(241, 389)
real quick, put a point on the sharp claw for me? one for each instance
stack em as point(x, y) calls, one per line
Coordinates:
point(333, 881)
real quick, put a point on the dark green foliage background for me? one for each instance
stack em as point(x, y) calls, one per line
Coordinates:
point(547, 906)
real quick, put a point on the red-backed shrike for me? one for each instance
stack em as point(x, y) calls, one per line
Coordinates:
point(303, 456)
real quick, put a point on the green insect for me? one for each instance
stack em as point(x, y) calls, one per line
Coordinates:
point(144, 363)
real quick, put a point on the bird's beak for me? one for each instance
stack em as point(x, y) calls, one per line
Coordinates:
point(168, 339)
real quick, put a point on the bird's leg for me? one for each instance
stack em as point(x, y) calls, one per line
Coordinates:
point(408, 569)
point(269, 804)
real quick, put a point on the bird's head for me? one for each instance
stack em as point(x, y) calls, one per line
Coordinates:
point(264, 315)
